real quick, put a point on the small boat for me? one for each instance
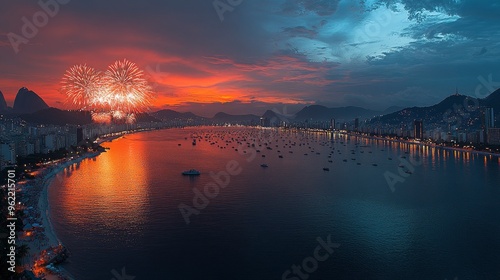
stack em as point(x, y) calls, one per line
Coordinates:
point(280, 156)
point(191, 172)
point(326, 169)
point(375, 164)
point(264, 165)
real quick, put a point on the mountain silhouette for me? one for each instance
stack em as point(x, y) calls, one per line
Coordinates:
point(3, 104)
point(28, 101)
point(171, 115)
point(58, 117)
point(493, 100)
point(464, 112)
point(222, 117)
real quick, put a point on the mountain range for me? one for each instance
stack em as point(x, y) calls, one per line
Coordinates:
point(456, 109)
point(26, 102)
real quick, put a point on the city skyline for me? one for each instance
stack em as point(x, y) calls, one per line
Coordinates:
point(250, 139)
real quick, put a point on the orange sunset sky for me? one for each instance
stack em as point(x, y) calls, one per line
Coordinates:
point(255, 56)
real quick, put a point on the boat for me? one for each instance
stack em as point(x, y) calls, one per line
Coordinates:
point(191, 172)
point(326, 169)
point(264, 165)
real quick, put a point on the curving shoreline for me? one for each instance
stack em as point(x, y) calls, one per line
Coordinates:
point(481, 153)
point(47, 177)
point(46, 246)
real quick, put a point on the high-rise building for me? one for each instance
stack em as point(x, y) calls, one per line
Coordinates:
point(418, 129)
point(79, 135)
point(356, 124)
point(494, 136)
point(332, 124)
point(489, 118)
point(265, 122)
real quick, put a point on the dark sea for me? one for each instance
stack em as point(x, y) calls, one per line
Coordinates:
point(378, 210)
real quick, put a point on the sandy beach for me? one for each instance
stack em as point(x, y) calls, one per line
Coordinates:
point(42, 241)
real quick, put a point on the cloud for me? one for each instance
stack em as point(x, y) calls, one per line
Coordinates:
point(265, 51)
point(319, 7)
point(300, 31)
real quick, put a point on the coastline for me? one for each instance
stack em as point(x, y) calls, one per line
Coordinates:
point(481, 153)
point(49, 173)
point(45, 248)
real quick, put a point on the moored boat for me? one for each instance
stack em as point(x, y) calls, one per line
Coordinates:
point(191, 172)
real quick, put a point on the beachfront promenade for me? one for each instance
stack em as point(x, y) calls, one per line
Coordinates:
point(44, 249)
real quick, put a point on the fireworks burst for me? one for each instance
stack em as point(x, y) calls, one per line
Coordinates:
point(119, 93)
point(131, 118)
point(127, 89)
point(104, 118)
point(81, 84)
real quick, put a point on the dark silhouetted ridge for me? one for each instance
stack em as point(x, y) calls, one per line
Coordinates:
point(28, 101)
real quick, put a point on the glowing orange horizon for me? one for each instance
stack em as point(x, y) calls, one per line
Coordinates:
point(179, 81)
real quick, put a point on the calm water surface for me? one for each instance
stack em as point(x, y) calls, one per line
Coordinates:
point(121, 209)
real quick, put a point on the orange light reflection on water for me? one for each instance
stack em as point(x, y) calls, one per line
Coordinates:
point(96, 193)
